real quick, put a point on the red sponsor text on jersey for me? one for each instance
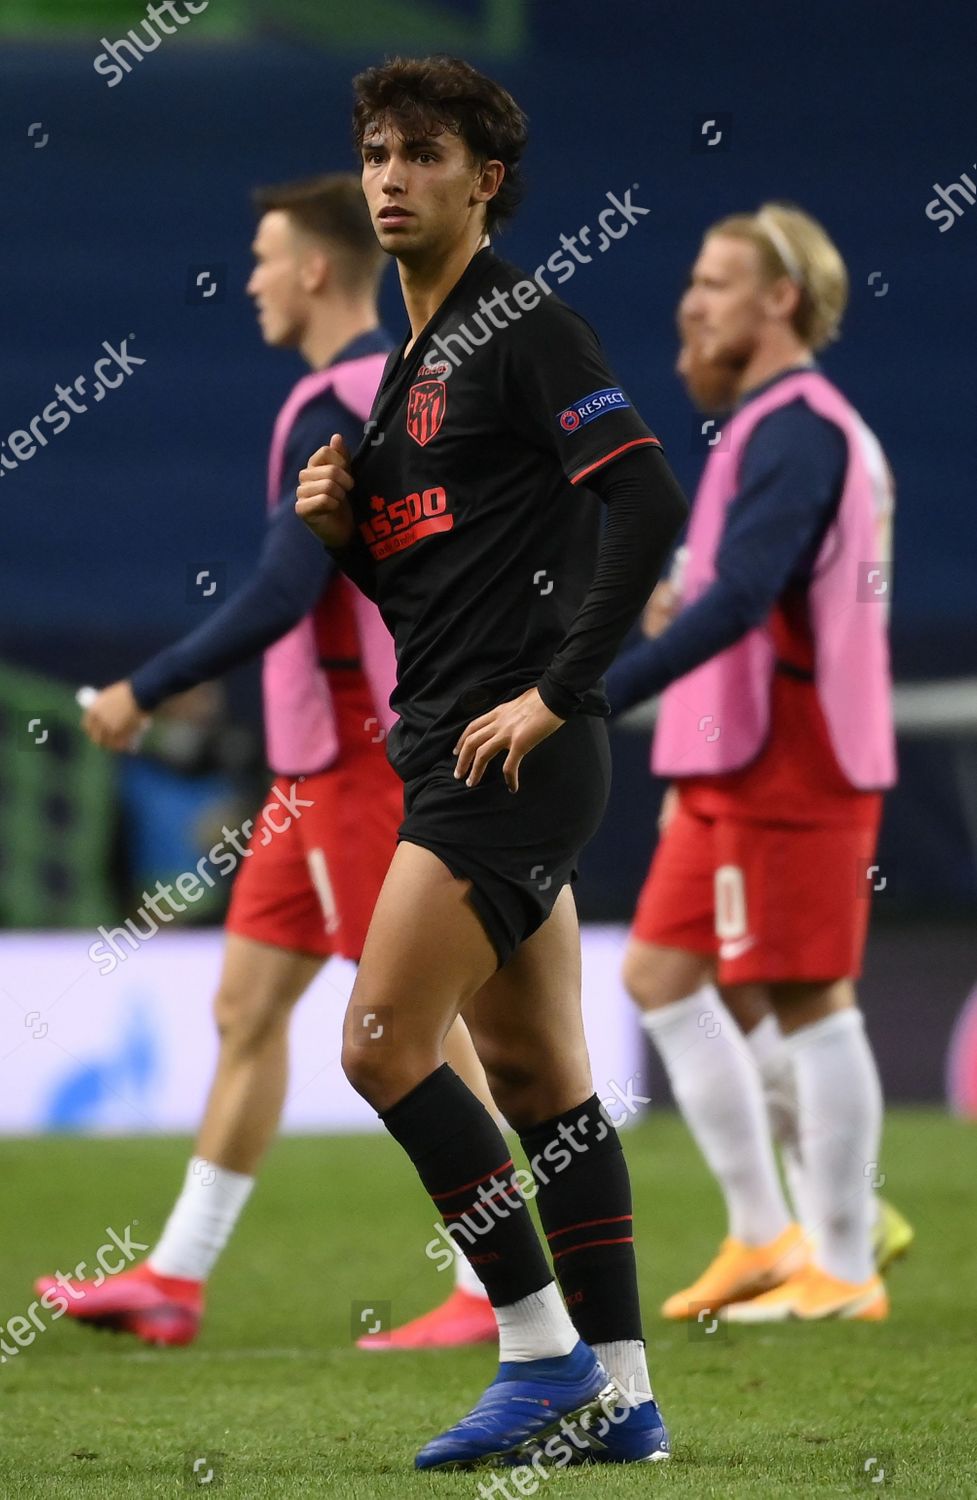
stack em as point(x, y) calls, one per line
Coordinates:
point(398, 524)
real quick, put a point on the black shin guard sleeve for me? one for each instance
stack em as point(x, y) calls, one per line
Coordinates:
point(462, 1159)
point(584, 1197)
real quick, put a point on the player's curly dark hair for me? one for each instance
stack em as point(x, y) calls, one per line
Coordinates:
point(427, 95)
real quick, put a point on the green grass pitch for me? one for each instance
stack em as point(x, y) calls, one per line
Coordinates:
point(277, 1402)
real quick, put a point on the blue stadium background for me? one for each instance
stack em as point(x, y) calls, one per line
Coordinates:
point(851, 109)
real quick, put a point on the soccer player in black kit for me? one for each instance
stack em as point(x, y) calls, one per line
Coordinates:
point(471, 514)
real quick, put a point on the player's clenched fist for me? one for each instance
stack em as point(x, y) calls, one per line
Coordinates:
point(114, 719)
point(660, 610)
point(322, 496)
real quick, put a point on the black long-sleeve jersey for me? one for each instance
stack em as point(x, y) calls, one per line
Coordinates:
point(478, 525)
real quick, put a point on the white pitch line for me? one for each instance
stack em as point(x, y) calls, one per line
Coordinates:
point(148, 1356)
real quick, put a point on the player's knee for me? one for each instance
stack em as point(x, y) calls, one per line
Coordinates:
point(510, 1078)
point(526, 1093)
point(511, 1092)
point(380, 1069)
point(367, 1063)
point(655, 977)
point(640, 979)
point(381, 1081)
point(247, 1017)
point(365, 1071)
point(524, 1104)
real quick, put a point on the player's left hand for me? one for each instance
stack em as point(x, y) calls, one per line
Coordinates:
point(660, 610)
point(115, 720)
point(517, 726)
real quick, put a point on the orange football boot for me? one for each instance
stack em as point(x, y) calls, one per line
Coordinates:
point(740, 1271)
point(811, 1296)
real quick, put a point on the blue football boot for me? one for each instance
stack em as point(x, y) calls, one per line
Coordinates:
point(614, 1431)
point(625, 1433)
point(525, 1403)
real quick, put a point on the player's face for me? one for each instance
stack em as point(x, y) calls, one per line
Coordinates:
point(422, 193)
point(724, 307)
point(277, 285)
point(711, 383)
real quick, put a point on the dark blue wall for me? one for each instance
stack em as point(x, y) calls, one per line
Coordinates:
point(851, 108)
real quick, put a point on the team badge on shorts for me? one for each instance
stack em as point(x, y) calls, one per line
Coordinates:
point(425, 409)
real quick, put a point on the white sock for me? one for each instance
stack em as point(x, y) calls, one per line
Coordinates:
point(536, 1327)
point(625, 1361)
point(840, 1120)
point(467, 1279)
point(768, 1045)
point(717, 1087)
point(201, 1220)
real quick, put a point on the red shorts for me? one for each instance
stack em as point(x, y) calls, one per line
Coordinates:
point(312, 883)
point(773, 902)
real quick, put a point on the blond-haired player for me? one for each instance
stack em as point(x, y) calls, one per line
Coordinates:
point(776, 731)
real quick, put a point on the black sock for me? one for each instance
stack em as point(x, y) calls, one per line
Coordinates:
point(462, 1159)
point(585, 1205)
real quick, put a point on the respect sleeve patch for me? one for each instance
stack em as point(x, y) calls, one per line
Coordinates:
point(589, 408)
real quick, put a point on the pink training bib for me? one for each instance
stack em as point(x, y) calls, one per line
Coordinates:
point(300, 720)
point(717, 717)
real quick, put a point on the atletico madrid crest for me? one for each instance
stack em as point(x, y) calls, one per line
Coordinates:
point(425, 409)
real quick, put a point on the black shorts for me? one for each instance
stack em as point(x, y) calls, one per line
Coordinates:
point(518, 850)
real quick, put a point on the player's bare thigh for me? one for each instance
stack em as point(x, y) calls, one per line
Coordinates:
point(259, 984)
point(748, 1004)
point(654, 975)
point(794, 1003)
point(527, 1025)
point(800, 1003)
point(426, 954)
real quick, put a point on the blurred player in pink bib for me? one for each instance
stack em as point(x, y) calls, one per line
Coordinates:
point(770, 648)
